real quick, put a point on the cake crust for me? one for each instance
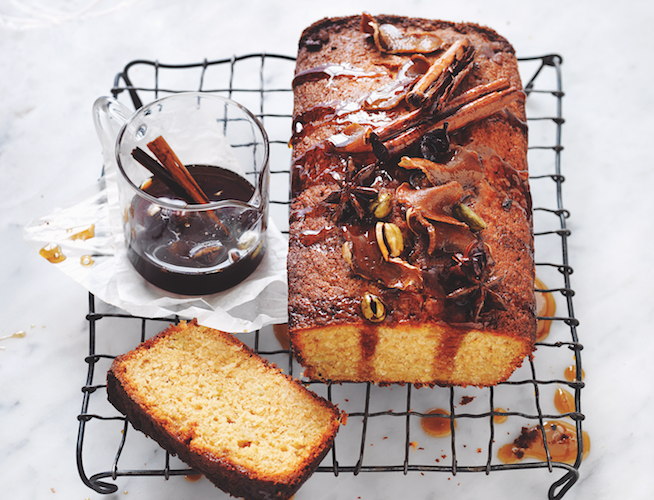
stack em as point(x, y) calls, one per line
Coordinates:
point(253, 431)
point(429, 334)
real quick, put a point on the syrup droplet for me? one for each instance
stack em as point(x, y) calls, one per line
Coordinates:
point(437, 426)
point(86, 260)
point(545, 307)
point(16, 335)
point(83, 234)
point(52, 252)
point(561, 442)
point(281, 333)
point(564, 401)
point(193, 477)
point(570, 374)
point(309, 237)
point(499, 419)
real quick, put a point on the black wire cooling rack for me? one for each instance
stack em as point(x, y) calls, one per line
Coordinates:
point(261, 82)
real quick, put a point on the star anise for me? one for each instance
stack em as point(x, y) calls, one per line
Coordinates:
point(354, 193)
point(472, 281)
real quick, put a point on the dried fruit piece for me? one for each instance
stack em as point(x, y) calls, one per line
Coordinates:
point(464, 167)
point(433, 203)
point(364, 256)
point(390, 40)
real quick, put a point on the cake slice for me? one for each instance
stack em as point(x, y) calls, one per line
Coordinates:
point(206, 397)
point(411, 256)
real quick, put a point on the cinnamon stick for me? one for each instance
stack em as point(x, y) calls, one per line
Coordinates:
point(177, 170)
point(180, 175)
point(419, 116)
point(456, 50)
point(473, 94)
point(476, 110)
point(160, 173)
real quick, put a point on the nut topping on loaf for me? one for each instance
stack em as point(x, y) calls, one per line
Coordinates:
point(411, 242)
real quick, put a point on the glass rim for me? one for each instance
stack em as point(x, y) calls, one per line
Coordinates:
point(197, 207)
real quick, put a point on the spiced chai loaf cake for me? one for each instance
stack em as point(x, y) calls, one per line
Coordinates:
point(411, 244)
point(208, 398)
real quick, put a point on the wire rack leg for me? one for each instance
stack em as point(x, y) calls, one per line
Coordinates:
point(565, 483)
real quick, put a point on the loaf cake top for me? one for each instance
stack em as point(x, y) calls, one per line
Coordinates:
point(338, 68)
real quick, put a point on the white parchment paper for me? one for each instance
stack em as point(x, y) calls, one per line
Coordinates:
point(258, 301)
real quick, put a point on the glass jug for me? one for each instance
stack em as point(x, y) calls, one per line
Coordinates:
point(193, 180)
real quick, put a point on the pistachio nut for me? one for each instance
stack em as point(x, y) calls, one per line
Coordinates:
point(390, 239)
point(381, 206)
point(466, 214)
point(372, 308)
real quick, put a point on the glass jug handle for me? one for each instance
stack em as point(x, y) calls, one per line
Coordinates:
point(109, 116)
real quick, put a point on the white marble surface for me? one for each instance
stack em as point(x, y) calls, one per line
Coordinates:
point(57, 56)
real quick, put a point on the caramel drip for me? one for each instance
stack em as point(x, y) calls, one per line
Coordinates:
point(83, 234)
point(332, 71)
point(309, 237)
point(545, 307)
point(514, 121)
point(308, 121)
point(281, 334)
point(86, 260)
point(561, 438)
point(368, 340)
point(561, 442)
point(52, 252)
point(500, 419)
point(16, 335)
point(570, 374)
point(305, 172)
point(20, 334)
point(445, 354)
point(564, 401)
point(437, 426)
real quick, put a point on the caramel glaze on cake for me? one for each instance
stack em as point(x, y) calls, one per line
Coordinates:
point(203, 395)
point(411, 240)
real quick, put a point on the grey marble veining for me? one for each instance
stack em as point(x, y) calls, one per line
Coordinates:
point(57, 56)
